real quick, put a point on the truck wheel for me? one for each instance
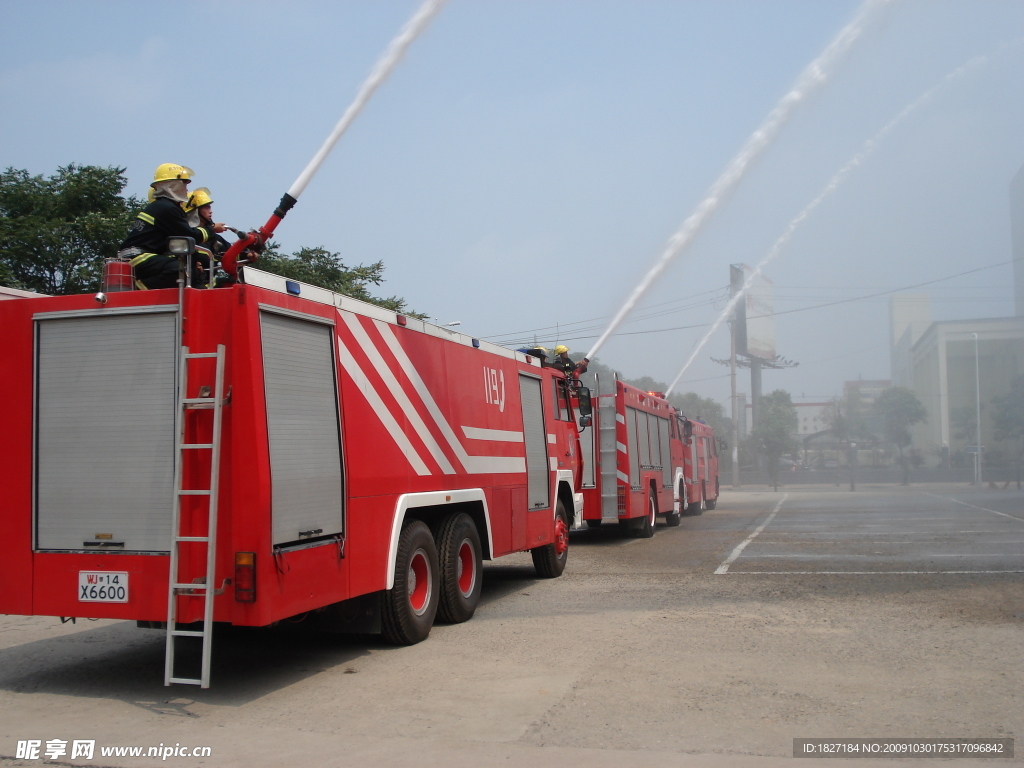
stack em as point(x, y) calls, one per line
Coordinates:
point(712, 503)
point(408, 609)
point(593, 523)
point(459, 555)
point(693, 509)
point(672, 518)
point(550, 559)
point(643, 527)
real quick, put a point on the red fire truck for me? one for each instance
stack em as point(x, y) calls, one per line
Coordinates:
point(700, 466)
point(642, 459)
point(268, 450)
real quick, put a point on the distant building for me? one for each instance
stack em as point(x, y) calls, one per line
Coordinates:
point(865, 391)
point(943, 364)
point(812, 418)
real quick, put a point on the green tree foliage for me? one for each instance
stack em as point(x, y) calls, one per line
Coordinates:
point(1009, 419)
point(773, 435)
point(898, 409)
point(323, 268)
point(56, 231)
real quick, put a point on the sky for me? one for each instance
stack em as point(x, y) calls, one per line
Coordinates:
point(527, 161)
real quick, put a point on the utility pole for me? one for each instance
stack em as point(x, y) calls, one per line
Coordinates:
point(735, 409)
point(977, 413)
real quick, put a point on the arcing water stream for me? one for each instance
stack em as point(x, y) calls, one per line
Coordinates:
point(380, 73)
point(869, 147)
point(813, 77)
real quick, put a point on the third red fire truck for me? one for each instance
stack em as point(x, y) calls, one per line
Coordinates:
point(643, 459)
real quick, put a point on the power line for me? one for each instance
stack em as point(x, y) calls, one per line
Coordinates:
point(815, 306)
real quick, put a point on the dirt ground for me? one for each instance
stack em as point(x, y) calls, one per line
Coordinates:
point(639, 655)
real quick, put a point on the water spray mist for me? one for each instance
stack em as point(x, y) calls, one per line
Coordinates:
point(395, 50)
point(813, 77)
point(869, 147)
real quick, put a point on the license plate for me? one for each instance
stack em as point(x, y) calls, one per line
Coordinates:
point(103, 586)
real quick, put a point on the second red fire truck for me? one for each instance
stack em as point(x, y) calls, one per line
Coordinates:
point(643, 459)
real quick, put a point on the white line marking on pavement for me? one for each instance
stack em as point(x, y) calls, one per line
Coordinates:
point(975, 506)
point(724, 567)
point(858, 573)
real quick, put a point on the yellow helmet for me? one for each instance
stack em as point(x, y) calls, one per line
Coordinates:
point(198, 199)
point(561, 349)
point(169, 171)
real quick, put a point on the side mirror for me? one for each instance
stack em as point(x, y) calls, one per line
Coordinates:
point(687, 428)
point(586, 421)
point(583, 404)
point(722, 445)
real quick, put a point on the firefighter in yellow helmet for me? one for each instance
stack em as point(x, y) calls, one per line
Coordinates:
point(199, 209)
point(565, 364)
point(146, 244)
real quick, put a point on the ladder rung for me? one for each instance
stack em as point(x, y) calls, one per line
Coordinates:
point(195, 355)
point(190, 400)
point(189, 586)
point(192, 538)
point(193, 493)
point(186, 633)
point(195, 445)
point(185, 680)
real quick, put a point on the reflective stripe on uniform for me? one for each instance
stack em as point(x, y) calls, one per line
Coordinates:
point(206, 235)
point(141, 258)
point(147, 218)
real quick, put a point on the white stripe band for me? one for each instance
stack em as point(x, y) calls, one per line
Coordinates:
point(495, 435)
point(401, 439)
point(381, 366)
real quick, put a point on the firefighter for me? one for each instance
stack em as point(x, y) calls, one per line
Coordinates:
point(565, 364)
point(540, 353)
point(146, 244)
point(200, 214)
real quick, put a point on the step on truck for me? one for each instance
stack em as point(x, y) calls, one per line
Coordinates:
point(642, 459)
point(265, 451)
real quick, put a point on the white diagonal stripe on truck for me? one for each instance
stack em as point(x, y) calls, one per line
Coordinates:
point(377, 404)
point(381, 366)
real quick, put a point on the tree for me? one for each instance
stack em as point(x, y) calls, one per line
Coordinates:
point(55, 232)
point(323, 268)
point(1009, 419)
point(773, 435)
point(898, 410)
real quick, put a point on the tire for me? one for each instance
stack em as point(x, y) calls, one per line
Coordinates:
point(690, 510)
point(643, 527)
point(712, 503)
point(593, 523)
point(550, 559)
point(672, 518)
point(460, 558)
point(408, 609)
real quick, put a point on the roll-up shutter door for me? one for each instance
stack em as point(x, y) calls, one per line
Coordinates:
point(537, 469)
point(666, 453)
point(587, 438)
point(105, 404)
point(643, 439)
point(303, 428)
point(634, 449)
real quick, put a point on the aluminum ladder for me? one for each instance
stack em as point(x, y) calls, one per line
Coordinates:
point(176, 588)
point(607, 423)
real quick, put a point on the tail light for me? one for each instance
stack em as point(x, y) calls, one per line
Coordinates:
point(245, 577)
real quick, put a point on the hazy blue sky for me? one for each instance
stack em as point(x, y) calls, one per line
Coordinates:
point(528, 160)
